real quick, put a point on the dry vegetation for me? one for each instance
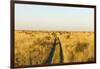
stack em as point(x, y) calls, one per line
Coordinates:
point(33, 47)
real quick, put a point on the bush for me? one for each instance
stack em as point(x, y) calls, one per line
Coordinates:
point(81, 46)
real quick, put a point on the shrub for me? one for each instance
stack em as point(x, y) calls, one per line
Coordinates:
point(81, 46)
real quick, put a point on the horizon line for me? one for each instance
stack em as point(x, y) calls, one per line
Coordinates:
point(52, 31)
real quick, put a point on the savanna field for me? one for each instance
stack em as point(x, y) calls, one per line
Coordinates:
point(43, 47)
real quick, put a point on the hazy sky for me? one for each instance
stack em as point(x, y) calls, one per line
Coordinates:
point(53, 18)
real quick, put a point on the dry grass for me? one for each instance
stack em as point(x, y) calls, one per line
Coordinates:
point(33, 47)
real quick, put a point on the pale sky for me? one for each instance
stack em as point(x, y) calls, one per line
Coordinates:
point(53, 18)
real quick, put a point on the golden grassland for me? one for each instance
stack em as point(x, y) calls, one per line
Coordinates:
point(33, 47)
